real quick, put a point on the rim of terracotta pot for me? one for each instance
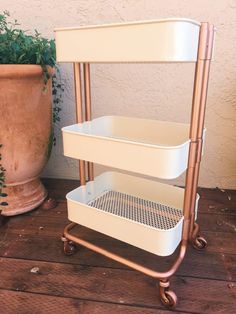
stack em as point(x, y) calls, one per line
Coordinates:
point(22, 70)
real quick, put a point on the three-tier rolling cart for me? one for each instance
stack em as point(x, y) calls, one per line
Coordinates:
point(152, 216)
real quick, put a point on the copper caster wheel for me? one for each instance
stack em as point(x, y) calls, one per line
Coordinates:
point(199, 243)
point(167, 296)
point(169, 299)
point(69, 247)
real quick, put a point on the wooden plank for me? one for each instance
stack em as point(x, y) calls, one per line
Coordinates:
point(217, 222)
point(56, 218)
point(38, 237)
point(24, 302)
point(205, 264)
point(216, 193)
point(217, 201)
point(219, 241)
point(115, 286)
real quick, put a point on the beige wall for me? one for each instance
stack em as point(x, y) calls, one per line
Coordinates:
point(159, 91)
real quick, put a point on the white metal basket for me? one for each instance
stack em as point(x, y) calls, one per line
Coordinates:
point(141, 212)
point(149, 147)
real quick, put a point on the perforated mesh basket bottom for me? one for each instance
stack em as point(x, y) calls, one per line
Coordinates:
point(146, 212)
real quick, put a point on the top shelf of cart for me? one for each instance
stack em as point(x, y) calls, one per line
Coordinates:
point(166, 40)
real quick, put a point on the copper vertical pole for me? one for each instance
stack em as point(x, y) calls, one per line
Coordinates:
point(88, 113)
point(190, 182)
point(79, 115)
point(201, 121)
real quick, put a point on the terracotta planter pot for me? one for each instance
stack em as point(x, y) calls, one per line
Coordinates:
point(26, 134)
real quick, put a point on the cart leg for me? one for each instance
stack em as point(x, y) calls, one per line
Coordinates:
point(198, 242)
point(69, 246)
point(167, 296)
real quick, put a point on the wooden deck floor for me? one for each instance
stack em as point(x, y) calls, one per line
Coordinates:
point(89, 283)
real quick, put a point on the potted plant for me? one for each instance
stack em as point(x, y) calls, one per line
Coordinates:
point(26, 69)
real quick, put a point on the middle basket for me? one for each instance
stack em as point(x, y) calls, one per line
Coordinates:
point(149, 147)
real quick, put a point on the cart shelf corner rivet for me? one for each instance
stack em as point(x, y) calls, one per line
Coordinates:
point(152, 216)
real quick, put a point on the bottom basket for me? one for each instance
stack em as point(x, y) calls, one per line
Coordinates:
point(141, 212)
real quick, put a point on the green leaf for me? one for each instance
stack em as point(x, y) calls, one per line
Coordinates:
point(3, 203)
point(18, 47)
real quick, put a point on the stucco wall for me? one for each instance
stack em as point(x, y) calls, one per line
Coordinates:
point(159, 91)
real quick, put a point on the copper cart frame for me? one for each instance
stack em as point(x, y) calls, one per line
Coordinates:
point(190, 232)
